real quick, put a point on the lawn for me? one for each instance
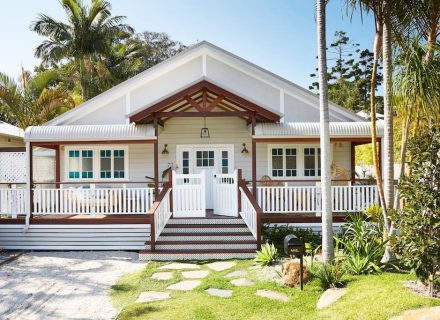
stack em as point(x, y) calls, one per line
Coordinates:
point(369, 297)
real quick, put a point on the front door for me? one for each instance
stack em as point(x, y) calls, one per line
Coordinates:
point(212, 159)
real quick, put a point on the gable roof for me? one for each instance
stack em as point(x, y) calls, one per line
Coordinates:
point(204, 49)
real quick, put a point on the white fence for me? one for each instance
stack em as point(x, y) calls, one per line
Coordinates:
point(13, 167)
point(308, 199)
point(162, 215)
point(248, 213)
point(189, 195)
point(12, 202)
point(225, 189)
point(93, 200)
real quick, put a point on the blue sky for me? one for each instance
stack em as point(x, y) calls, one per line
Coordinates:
point(277, 35)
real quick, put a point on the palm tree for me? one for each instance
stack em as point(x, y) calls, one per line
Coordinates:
point(33, 100)
point(86, 37)
point(327, 217)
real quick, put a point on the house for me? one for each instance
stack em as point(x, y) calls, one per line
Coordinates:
point(187, 160)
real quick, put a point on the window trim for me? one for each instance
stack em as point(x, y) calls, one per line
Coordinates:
point(300, 166)
point(97, 162)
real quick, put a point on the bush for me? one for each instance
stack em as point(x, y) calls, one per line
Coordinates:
point(276, 234)
point(418, 222)
point(268, 255)
point(362, 245)
point(328, 275)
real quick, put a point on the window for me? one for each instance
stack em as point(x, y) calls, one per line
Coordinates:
point(284, 162)
point(277, 162)
point(95, 162)
point(205, 158)
point(80, 164)
point(312, 162)
point(225, 162)
point(185, 162)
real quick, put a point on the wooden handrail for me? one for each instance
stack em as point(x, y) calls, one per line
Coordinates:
point(152, 212)
point(258, 210)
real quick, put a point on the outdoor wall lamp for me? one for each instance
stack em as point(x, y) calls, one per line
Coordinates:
point(245, 150)
point(204, 132)
point(165, 150)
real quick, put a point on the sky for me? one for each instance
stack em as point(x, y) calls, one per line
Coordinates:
point(278, 35)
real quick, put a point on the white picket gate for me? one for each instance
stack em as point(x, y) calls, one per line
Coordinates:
point(225, 194)
point(189, 195)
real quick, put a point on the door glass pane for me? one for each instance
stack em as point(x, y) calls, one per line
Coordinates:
point(277, 162)
point(185, 162)
point(87, 164)
point(290, 162)
point(118, 164)
point(225, 162)
point(309, 162)
point(205, 159)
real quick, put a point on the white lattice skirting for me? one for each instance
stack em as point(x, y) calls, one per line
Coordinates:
point(12, 167)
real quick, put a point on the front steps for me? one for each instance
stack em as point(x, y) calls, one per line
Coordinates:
point(202, 238)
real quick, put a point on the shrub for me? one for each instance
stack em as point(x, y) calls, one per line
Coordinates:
point(362, 245)
point(276, 234)
point(328, 275)
point(268, 255)
point(418, 222)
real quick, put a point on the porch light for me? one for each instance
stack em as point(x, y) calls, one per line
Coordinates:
point(165, 150)
point(245, 150)
point(204, 132)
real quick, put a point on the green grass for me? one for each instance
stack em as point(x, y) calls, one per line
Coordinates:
point(368, 297)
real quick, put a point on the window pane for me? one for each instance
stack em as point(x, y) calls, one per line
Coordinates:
point(290, 162)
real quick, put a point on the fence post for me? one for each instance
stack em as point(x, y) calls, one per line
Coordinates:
point(239, 178)
point(318, 199)
point(92, 200)
point(170, 179)
point(14, 201)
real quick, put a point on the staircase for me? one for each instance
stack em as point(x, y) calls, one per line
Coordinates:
point(203, 238)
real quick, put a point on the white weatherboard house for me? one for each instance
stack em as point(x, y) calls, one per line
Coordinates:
point(187, 160)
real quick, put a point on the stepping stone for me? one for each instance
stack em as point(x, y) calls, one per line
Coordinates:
point(148, 296)
point(221, 265)
point(242, 282)
point(162, 276)
point(186, 285)
point(431, 313)
point(330, 296)
point(198, 274)
point(236, 274)
point(219, 292)
point(272, 295)
point(180, 266)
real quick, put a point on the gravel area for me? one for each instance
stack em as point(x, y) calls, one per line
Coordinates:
point(63, 285)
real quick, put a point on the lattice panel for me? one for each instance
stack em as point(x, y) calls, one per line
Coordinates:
point(12, 167)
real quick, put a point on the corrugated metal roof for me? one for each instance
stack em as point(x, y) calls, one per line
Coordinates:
point(7, 129)
point(89, 133)
point(312, 129)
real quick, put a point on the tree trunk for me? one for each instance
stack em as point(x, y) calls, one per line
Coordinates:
point(433, 30)
point(327, 216)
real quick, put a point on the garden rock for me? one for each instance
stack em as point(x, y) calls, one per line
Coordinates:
point(180, 266)
point(272, 295)
point(162, 276)
point(236, 274)
point(219, 292)
point(242, 282)
point(186, 285)
point(148, 296)
point(330, 296)
point(292, 273)
point(221, 265)
point(198, 274)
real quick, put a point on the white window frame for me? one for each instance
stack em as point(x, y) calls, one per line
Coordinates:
point(316, 168)
point(97, 162)
point(299, 160)
point(193, 148)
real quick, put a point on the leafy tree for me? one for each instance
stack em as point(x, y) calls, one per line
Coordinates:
point(83, 40)
point(32, 100)
point(419, 220)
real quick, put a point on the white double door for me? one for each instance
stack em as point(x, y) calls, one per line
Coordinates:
point(217, 163)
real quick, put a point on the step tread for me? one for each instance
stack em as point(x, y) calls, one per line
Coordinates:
point(201, 226)
point(225, 234)
point(205, 242)
point(184, 251)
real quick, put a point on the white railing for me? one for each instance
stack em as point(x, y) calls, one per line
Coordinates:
point(291, 199)
point(287, 199)
point(248, 213)
point(12, 202)
point(189, 195)
point(93, 200)
point(162, 215)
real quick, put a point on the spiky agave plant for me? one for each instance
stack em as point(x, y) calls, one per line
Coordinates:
point(268, 255)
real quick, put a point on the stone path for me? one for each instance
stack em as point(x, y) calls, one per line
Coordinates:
point(162, 276)
point(236, 274)
point(186, 285)
point(330, 296)
point(180, 266)
point(272, 295)
point(242, 282)
point(219, 292)
point(432, 313)
point(198, 274)
point(221, 265)
point(148, 296)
